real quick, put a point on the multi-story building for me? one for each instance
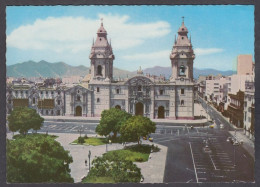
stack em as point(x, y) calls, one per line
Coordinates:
point(216, 89)
point(139, 95)
point(249, 108)
point(245, 65)
point(47, 98)
point(236, 109)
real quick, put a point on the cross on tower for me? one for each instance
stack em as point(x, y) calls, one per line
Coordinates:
point(182, 19)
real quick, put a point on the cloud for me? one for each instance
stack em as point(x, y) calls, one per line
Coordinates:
point(75, 34)
point(207, 51)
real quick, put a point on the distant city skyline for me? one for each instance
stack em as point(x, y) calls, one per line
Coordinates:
point(140, 35)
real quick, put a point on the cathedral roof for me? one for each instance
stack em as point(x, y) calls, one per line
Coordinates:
point(101, 29)
point(101, 47)
point(183, 29)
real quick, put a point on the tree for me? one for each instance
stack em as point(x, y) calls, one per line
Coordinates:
point(119, 169)
point(23, 119)
point(111, 121)
point(136, 127)
point(37, 158)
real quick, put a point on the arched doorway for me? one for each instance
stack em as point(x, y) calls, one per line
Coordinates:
point(160, 112)
point(118, 107)
point(139, 109)
point(78, 111)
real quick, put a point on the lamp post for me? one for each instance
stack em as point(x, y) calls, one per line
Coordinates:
point(80, 130)
point(106, 143)
point(89, 154)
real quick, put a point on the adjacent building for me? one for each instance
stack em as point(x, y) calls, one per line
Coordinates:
point(249, 108)
point(245, 65)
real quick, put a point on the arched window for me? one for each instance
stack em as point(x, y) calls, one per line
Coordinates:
point(99, 70)
point(98, 100)
point(117, 91)
point(139, 88)
point(78, 98)
point(97, 89)
point(182, 70)
point(182, 102)
point(33, 100)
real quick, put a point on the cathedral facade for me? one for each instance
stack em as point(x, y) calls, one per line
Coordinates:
point(138, 95)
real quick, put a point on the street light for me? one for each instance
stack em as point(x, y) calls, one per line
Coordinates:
point(106, 143)
point(81, 130)
point(89, 154)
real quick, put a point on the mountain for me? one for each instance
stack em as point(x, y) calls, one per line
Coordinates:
point(61, 69)
point(58, 69)
point(166, 71)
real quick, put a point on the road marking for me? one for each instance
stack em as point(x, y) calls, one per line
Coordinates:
point(77, 122)
point(193, 163)
point(201, 172)
point(167, 140)
point(73, 128)
point(212, 162)
point(189, 170)
point(189, 181)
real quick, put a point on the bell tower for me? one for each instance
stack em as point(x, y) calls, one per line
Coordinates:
point(101, 57)
point(182, 56)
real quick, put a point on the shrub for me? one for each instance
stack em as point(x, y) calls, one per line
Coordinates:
point(139, 159)
point(81, 140)
point(155, 148)
point(86, 136)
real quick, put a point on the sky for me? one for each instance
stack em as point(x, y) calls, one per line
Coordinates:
point(140, 35)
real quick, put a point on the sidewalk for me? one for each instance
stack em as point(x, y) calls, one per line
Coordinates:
point(152, 170)
point(247, 143)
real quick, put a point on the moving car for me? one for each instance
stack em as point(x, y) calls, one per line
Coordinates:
point(211, 126)
point(151, 139)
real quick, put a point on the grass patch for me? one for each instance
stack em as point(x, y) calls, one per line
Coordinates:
point(136, 153)
point(94, 179)
point(33, 134)
point(91, 141)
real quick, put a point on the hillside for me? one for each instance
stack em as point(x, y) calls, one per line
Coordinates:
point(61, 69)
point(58, 69)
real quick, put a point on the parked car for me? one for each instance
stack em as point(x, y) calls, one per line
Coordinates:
point(144, 138)
point(221, 126)
point(151, 139)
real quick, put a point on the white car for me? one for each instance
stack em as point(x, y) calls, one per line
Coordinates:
point(221, 126)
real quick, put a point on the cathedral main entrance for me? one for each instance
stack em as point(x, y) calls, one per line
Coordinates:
point(160, 112)
point(139, 109)
point(118, 107)
point(78, 111)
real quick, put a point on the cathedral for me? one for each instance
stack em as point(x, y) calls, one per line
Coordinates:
point(138, 95)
